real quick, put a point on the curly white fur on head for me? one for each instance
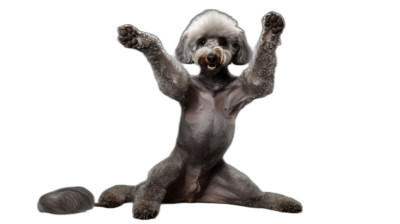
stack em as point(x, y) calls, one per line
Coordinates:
point(213, 24)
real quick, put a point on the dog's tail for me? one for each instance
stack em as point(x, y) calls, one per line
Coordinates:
point(66, 201)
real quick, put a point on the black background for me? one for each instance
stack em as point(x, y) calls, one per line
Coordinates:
point(96, 118)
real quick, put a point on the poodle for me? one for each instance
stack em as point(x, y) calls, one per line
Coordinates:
point(195, 171)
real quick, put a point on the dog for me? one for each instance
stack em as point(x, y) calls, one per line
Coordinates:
point(195, 170)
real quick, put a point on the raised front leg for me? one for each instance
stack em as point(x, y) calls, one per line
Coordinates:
point(172, 78)
point(258, 78)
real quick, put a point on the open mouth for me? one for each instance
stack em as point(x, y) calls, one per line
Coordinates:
point(211, 66)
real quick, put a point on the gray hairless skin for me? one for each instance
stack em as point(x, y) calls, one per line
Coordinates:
point(195, 171)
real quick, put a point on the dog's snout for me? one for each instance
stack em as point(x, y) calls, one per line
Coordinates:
point(211, 58)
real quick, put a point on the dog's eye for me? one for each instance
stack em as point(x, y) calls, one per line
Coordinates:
point(202, 42)
point(223, 43)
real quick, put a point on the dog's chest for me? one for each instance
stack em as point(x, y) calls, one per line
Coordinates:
point(213, 108)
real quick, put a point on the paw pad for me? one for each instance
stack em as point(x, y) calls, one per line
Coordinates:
point(127, 35)
point(275, 22)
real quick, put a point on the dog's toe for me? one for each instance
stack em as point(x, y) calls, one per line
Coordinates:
point(127, 35)
point(274, 22)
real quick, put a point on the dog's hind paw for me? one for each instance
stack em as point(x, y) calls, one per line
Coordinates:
point(111, 198)
point(274, 21)
point(290, 205)
point(145, 209)
point(127, 35)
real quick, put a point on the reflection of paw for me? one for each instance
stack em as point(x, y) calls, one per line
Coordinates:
point(110, 199)
point(290, 205)
point(127, 35)
point(145, 209)
point(274, 22)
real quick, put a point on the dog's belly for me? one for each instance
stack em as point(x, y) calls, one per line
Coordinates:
point(191, 183)
point(186, 186)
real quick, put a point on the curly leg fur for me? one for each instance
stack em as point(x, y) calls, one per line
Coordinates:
point(117, 195)
point(259, 77)
point(276, 202)
point(272, 201)
point(172, 78)
point(149, 196)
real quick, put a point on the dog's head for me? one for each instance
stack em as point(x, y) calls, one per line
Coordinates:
point(213, 40)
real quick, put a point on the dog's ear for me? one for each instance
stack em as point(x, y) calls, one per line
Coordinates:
point(183, 52)
point(243, 54)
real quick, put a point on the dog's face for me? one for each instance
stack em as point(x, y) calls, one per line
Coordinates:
point(213, 53)
point(213, 40)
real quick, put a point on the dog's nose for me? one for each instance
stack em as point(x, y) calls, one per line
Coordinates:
point(211, 57)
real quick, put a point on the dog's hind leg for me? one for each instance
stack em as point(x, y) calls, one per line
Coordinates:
point(117, 195)
point(230, 186)
point(148, 197)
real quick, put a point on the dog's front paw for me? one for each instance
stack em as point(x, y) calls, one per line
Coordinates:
point(145, 209)
point(127, 35)
point(274, 21)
